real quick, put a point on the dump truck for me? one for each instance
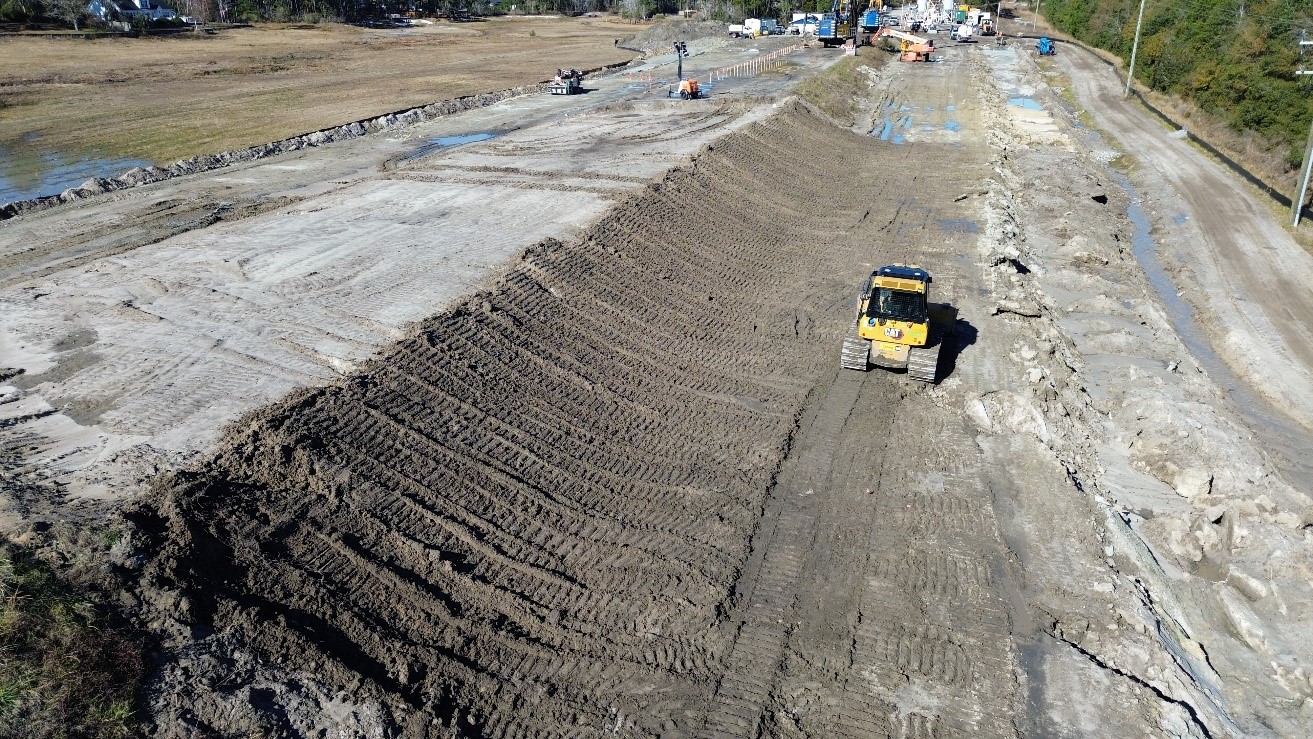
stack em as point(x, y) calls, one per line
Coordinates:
point(897, 327)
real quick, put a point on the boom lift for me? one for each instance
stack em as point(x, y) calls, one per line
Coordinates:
point(913, 48)
point(897, 327)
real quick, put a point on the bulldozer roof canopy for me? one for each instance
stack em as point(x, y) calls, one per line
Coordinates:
point(903, 271)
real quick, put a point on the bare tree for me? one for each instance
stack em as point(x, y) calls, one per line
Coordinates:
point(69, 11)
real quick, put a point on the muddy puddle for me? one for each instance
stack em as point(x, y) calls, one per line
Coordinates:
point(447, 142)
point(1025, 102)
point(28, 171)
point(1278, 433)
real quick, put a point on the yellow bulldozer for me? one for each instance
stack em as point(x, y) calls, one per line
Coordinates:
point(897, 327)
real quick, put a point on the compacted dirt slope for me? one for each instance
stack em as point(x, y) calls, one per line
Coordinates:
point(529, 515)
point(625, 489)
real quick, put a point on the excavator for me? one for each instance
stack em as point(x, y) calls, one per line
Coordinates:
point(871, 19)
point(897, 327)
point(912, 48)
point(838, 25)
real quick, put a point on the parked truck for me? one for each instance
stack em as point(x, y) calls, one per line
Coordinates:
point(755, 27)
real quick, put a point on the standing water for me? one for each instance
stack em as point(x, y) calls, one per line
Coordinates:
point(28, 172)
point(1274, 430)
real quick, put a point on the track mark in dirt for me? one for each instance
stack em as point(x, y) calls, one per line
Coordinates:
point(496, 183)
point(164, 220)
point(529, 517)
point(773, 578)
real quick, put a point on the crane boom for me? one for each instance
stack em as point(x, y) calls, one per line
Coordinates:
point(910, 38)
point(914, 48)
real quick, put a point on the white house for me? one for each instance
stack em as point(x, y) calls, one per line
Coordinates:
point(150, 9)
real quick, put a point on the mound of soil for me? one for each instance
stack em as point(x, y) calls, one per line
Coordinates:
point(661, 37)
point(528, 518)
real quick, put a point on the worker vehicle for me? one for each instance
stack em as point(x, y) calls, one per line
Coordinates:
point(803, 24)
point(838, 25)
point(897, 327)
point(963, 34)
point(687, 90)
point(1046, 47)
point(567, 82)
point(911, 48)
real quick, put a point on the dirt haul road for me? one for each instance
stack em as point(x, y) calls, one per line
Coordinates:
point(624, 489)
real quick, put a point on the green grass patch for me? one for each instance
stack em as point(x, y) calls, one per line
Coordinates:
point(64, 670)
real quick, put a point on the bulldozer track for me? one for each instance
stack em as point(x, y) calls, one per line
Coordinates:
point(856, 353)
point(767, 613)
point(923, 363)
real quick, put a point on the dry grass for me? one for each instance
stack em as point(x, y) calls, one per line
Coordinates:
point(168, 98)
point(1263, 158)
point(63, 672)
point(838, 90)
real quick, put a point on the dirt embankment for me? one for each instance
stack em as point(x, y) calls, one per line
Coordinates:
point(660, 38)
point(529, 516)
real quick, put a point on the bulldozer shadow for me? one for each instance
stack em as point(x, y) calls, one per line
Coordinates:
point(963, 336)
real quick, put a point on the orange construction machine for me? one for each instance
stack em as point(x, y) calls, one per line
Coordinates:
point(912, 48)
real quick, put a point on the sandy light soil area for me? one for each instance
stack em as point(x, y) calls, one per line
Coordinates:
point(545, 434)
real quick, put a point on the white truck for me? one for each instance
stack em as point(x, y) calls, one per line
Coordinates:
point(754, 27)
point(804, 24)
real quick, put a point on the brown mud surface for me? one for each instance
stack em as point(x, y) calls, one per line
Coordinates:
point(541, 500)
point(624, 488)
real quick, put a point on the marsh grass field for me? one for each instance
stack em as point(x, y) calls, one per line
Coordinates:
point(160, 99)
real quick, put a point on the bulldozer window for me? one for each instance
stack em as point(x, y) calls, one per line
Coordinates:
point(897, 305)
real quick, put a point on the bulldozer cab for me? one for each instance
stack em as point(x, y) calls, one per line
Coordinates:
point(897, 305)
point(894, 306)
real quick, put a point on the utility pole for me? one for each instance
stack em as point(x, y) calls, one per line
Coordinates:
point(1135, 47)
point(1297, 204)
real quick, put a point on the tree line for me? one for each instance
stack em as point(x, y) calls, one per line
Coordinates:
point(351, 11)
point(1235, 59)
